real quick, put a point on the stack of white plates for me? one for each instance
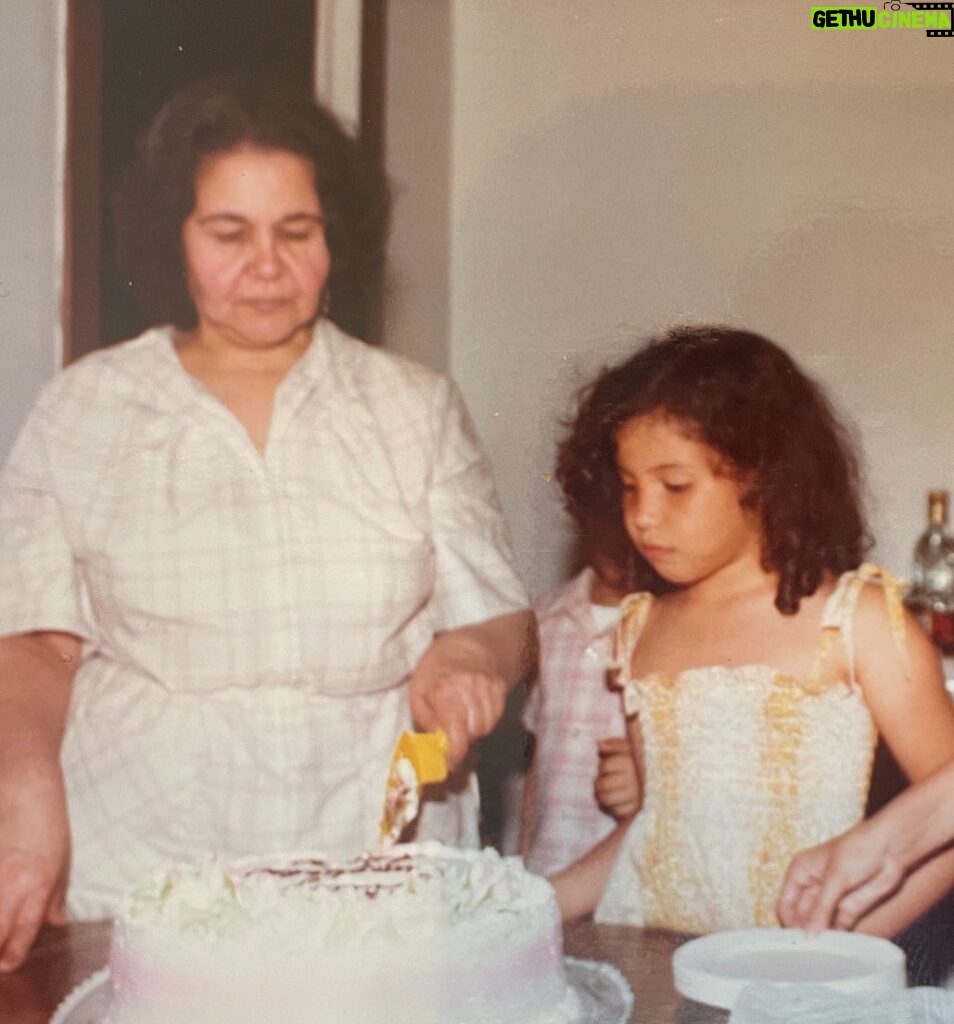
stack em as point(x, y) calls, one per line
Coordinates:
point(717, 967)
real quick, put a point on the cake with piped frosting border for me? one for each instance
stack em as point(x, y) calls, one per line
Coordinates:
point(423, 934)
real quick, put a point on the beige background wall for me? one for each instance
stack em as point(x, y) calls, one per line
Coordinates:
point(419, 145)
point(616, 165)
point(571, 173)
point(30, 73)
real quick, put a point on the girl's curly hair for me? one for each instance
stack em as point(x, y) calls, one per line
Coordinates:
point(771, 425)
point(218, 115)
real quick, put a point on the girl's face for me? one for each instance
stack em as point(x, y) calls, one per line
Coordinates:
point(254, 246)
point(683, 515)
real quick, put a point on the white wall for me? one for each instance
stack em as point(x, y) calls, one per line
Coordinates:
point(573, 172)
point(618, 164)
point(29, 267)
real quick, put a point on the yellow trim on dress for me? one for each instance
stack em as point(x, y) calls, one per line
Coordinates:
point(782, 735)
point(838, 618)
point(635, 610)
point(661, 864)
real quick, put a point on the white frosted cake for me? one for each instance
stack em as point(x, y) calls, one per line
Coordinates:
point(422, 935)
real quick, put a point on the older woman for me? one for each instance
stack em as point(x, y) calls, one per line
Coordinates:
point(239, 553)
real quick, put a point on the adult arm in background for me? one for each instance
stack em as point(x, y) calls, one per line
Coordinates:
point(914, 713)
point(835, 883)
point(36, 672)
point(463, 678)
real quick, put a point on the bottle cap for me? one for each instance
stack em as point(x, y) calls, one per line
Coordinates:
point(937, 506)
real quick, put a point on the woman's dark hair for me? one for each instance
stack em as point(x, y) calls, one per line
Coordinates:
point(216, 116)
point(773, 427)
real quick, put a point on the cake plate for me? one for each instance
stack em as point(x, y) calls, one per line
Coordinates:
point(605, 998)
point(716, 968)
point(88, 1003)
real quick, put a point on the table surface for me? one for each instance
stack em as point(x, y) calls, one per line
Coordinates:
point(63, 957)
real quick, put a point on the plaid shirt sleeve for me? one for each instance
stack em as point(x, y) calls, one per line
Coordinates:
point(40, 588)
point(573, 710)
point(475, 575)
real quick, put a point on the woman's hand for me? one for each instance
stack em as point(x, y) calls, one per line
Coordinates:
point(457, 687)
point(838, 882)
point(461, 682)
point(34, 862)
point(617, 781)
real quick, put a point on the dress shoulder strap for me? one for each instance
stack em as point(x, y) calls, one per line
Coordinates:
point(633, 614)
point(839, 613)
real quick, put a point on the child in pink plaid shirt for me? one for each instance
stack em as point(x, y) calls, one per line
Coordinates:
point(582, 778)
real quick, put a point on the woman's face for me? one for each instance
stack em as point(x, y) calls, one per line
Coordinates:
point(254, 247)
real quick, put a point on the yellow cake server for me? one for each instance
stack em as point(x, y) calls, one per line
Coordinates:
point(419, 759)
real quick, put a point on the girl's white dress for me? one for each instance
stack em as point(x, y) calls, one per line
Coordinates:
point(745, 766)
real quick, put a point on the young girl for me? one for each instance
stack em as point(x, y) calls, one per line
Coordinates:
point(756, 685)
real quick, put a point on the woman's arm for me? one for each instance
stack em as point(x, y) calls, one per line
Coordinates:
point(835, 883)
point(36, 671)
point(914, 713)
point(580, 886)
point(462, 680)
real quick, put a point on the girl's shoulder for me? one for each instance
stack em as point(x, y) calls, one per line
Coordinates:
point(866, 608)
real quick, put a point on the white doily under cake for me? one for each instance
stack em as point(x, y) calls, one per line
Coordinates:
point(605, 997)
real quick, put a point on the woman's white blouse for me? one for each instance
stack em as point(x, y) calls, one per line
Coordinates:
point(136, 513)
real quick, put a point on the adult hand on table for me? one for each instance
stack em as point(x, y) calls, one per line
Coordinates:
point(836, 883)
point(34, 863)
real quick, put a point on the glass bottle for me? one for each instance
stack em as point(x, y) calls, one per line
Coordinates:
point(932, 579)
